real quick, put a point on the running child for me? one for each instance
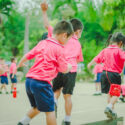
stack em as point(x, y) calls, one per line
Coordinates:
point(4, 79)
point(13, 71)
point(113, 58)
point(49, 60)
point(97, 71)
point(73, 53)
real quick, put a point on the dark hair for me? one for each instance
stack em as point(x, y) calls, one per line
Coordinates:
point(108, 40)
point(12, 59)
point(77, 24)
point(44, 36)
point(63, 27)
point(118, 37)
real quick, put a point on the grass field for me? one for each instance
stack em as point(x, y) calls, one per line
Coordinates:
point(86, 108)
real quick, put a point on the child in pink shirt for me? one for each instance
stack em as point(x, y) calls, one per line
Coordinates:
point(113, 58)
point(49, 60)
point(73, 54)
point(97, 71)
point(13, 70)
point(4, 79)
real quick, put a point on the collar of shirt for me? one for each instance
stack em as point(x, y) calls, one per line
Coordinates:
point(54, 41)
point(113, 46)
point(75, 37)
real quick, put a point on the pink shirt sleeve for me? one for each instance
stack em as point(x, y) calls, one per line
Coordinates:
point(50, 31)
point(32, 53)
point(80, 57)
point(99, 58)
point(95, 69)
point(62, 63)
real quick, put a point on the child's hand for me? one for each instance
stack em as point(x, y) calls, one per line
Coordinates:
point(89, 65)
point(23, 65)
point(13, 76)
point(44, 6)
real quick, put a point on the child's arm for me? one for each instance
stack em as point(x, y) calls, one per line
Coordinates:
point(44, 8)
point(22, 61)
point(91, 63)
point(68, 69)
point(80, 57)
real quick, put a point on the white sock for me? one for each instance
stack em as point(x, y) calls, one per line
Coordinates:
point(109, 106)
point(67, 118)
point(25, 120)
point(56, 101)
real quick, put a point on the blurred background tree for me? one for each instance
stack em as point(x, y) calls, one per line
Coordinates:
point(100, 18)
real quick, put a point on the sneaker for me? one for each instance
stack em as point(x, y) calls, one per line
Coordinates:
point(96, 94)
point(21, 123)
point(114, 115)
point(66, 123)
point(56, 110)
point(7, 92)
point(0, 92)
point(122, 99)
point(110, 114)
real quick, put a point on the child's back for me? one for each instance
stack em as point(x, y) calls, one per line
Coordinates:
point(113, 59)
point(48, 62)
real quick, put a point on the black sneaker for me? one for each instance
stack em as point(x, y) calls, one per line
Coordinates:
point(56, 110)
point(66, 123)
point(21, 123)
point(122, 99)
point(110, 114)
point(114, 115)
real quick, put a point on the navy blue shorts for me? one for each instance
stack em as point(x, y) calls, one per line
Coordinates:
point(4, 80)
point(14, 79)
point(40, 95)
point(98, 78)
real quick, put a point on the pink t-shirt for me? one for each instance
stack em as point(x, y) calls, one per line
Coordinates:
point(72, 50)
point(98, 68)
point(112, 58)
point(6, 69)
point(13, 68)
point(49, 60)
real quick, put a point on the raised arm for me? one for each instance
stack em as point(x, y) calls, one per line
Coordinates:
point(44, 7)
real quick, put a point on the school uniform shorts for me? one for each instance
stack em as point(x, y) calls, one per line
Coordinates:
point(67, 81)
point(114, 78)
point(4, 80)
point(40, 95)
point(14, 79)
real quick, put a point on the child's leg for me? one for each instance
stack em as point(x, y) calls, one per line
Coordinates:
point(99, 86)
point(12, 86)
point(57, 94)
point(109, 98)
point(33, 112)
point(2, 86)
point(68, 106)
point(30, 115)
point(96, 87)
point(5, 87)
point(113, 101)
point(50, 118)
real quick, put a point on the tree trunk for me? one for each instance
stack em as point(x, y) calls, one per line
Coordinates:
point(26, 39)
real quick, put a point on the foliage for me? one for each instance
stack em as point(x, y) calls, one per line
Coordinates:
point(99, 20)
